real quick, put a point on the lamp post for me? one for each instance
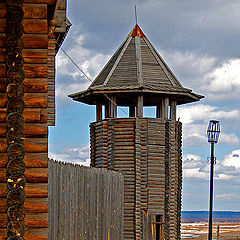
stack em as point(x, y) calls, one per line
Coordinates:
point(213, 132)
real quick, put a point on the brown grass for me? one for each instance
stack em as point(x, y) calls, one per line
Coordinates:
point(199, 231)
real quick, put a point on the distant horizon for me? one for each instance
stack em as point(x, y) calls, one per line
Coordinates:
point(213, 211)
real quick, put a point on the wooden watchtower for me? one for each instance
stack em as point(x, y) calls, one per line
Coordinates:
point(147, 151)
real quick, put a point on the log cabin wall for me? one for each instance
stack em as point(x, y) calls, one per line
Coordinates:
point(147, 151)
point(30, 127)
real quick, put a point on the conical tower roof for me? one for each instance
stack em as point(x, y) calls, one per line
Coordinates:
point(136, 67)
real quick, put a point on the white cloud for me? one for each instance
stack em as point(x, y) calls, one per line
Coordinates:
point(194, 173)
point(69, 77)
point(189, 65)
point(77, 155)
point(195, 118)
point(227, 170)
point(224, 79)
point(203, 74)
point(191, 161)
point(233, 159)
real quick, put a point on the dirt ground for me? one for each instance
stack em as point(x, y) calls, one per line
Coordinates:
point(227, 231)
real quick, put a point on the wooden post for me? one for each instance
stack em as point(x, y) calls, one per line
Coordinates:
point(173, 110)
point(164, 109)
point(99, 111)
point(132, 111)
point(113, 107)
point(159, 112)
point(106, 110)
point(140, 106)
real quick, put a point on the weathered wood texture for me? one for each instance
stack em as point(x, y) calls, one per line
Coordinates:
point(147, 151)
point(84, 203)
point(34, 61)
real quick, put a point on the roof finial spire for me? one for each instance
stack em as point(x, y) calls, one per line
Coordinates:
point(136, 14)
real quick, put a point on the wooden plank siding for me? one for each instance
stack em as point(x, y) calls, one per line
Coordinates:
point(84, 203)
point(140, 148)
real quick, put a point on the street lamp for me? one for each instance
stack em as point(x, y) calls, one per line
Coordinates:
point(213, 132)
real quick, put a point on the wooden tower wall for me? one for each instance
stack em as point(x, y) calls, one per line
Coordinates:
point(147, 151)
point(36, 57)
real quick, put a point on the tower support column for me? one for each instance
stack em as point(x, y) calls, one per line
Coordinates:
point(140, 106)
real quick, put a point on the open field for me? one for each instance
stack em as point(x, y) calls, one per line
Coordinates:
point(227, 230)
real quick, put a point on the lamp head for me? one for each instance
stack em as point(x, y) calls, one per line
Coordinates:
point(213, 131)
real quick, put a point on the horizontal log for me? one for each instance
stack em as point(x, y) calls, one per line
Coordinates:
point(33, 41)
point(32, 190)
point(35, 70)
point(35, 55)
point(30, 130)
point(32, 205)
point(35, 130)
point(36, 220)
point(30, 100)
point(32, 145)
point(35, 11)
point(38, 26)
point(32, 160)
point(32, 175)
point(35, 100)
point(36, 145)
point(34, 85)
point(36, 175)
point(30, 234)
point(29, 114)
point(3, 10)
point(36, 234)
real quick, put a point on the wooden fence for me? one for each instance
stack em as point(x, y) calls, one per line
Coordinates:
point(84, 203)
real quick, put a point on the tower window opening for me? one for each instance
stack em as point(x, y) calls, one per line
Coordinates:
point(149, 111)
point(157, 227)
point(122, 112)
point(103, 112)
point(169, 112)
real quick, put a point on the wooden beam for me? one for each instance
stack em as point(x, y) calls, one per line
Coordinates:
point(106, 110)
point(159, 110)
point(99, 111)
point(140, 106)
point(113, 107)
point(173, 110)
point(165, 106)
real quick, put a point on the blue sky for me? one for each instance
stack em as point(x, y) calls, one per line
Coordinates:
point(200, 42)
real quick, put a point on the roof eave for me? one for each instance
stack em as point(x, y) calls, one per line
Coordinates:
point(89, 96)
